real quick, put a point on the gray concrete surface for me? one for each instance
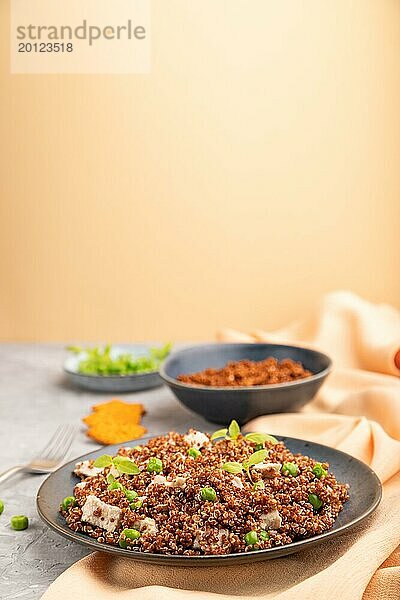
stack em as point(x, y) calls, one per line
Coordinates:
point(34, 398)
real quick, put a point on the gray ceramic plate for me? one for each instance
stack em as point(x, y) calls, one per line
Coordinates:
point(113, 383)
point(365, 494)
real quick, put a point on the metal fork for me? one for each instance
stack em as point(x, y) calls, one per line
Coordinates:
point(50, 457)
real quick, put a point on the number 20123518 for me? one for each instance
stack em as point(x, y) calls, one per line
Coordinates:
point(45, 47)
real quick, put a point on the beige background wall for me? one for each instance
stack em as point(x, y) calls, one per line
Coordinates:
point(254, 169)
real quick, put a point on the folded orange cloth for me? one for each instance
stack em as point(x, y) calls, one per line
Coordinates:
point(363, 340)
point(354, 332)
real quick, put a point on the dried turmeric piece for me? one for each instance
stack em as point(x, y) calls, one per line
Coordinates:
point(119, 435)
point(115, 409)
point(115, 422)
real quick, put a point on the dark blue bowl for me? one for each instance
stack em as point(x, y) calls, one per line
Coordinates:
point(222, 404)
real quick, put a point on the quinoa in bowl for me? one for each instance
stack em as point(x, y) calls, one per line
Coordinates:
point(196, 494)
point(244, 373)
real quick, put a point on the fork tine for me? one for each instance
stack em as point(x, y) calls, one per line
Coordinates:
point(52, 441)
point(66, 443)
point(58, 441)
point(61, 444)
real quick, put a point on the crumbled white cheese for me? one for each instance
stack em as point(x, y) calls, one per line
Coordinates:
point(276, 466)
point(237, 482)
point(85, 469)
point(260, 466)
point(268, 467)
point(221, 534)
point(114, 472)
point(158, 480)
point(271, 520)
point(146, 525)
point(108, 518)
point(81, 484)
point(196, 439)
point(178, 482)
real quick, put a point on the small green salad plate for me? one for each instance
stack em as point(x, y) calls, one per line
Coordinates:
point(116, 369)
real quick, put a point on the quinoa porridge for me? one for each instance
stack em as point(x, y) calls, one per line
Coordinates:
point(248, 373)
point(194, 494)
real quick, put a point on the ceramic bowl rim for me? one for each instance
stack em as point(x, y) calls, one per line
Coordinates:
point(236, 389)
point(106, 377)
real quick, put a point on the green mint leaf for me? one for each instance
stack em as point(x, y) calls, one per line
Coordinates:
point(234, 430)
point(271, 439)
point(219, 434)
point(125, 465)
point(232, 467)
point(256, 458)
point(261, 438)
point(105, 460)
point(257, 438)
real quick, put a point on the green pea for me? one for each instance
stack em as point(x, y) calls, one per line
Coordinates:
point(251, 538)
point(128, 534)
point(319, 471)
point(154, 466)
point(194, 453)
point(264, 535)
point(19, 522)
point(259, 447)
point(259, 485)
point(68, 502)
point(208, 493)
point(290, 468)
point(115, 485)
point(1, 506)
point(130, 495)
point(136, 504)
point(315, 501)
